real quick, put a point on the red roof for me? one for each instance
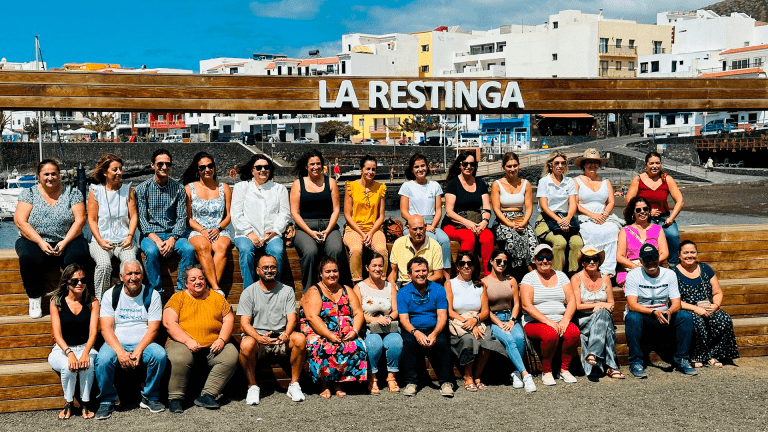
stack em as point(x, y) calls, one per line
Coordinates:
point(319, 61)
point(227, 65)
point(745, 49)
point(733, 73)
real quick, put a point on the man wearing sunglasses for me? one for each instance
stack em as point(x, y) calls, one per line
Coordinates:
point(423, 308)
point(162, 206)
point(653, 305)
point(416, 243)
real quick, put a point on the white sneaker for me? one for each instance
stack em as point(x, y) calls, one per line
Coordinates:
point(547, 379)
point(517, 381)
point(567, 377)
point(295, 393)
point(35, 307)
point(252, 398)
point(529, 384)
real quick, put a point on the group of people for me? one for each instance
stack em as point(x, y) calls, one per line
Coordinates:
point(364, 303)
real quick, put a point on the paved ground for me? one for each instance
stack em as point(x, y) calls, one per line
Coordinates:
point(732, 398)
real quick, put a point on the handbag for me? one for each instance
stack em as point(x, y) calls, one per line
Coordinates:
point(554, 227)
point(454, 325)
point(470, 215)
point(377, 328)
point(393, 229)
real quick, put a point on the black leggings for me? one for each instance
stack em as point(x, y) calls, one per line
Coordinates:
point(33, 263)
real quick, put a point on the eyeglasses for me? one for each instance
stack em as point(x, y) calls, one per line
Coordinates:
point(211, 166)
point(500, 262)
point(76, 281)
point(466, 264)
point(164, 164)
point(543, 258)
point(269, 268)
point(589, 260)
point(261, 167)
point(642, 210)
point(469, 164)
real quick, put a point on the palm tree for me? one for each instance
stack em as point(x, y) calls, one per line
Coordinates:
point(5, 120)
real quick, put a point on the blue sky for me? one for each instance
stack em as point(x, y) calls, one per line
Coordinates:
point(174, 33)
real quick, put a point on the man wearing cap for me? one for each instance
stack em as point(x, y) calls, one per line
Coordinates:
point(416, 243)
point(653, 303)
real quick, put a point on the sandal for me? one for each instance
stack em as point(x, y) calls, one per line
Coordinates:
point(715, 363)
point(591, 359)
point(393, 387)
point(325, 394)
point(86, 413)
point(698, 365)
point(480, 386)
point(339, 392)
point(66, 412)
point(373, 387)
point(470, 387)
point(614, 373)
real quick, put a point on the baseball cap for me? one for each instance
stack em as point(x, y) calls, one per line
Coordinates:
point(542, 247)
point(648, 252)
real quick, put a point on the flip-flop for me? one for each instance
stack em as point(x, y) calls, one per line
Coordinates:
point(325, 394)
point(393, 387)
point(374, 388)
point(470, 387)
point(715, 363)
point(86, 413)
point(615, 374)
point(66, 412)
point(480, 385)
point(591, 359)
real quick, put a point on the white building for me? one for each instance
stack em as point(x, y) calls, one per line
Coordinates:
point(21, 66)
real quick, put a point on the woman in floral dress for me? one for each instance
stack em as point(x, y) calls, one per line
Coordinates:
point(332, 320)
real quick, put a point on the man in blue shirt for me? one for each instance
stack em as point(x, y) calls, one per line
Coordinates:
point(162, 207)
point(423, 309)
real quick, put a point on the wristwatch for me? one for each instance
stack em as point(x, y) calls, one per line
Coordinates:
point(413, 332)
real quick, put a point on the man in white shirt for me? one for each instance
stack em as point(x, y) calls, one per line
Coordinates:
point(129, 322)
point(653, 304)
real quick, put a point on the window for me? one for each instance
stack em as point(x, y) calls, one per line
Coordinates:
point(554, 57)
point(740, 64)
point(618, 65)
point(757, 62)
point(125, 119)
point(643, 67)
point(425, 69)
point(631, 43)
point(654, 120)
point(424, 48)
point(654, 66)
point(233, 70)
point(657, 49)
point(674, 66)
point(631, 65)
point(290, 70)
point(227, 128)
point(298, 71)
point(686, 117)
point(603, 67)
point(752, 117)
point(554, 24)
point(670, 119)
point(603, 45)
point(343, 67)
point(500, 46)
point(618, 43)
point(349, 47)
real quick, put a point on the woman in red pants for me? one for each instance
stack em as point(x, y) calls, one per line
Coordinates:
point(548, 306)
point(468, 207)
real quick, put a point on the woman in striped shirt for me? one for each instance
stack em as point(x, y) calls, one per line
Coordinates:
point(548, 306)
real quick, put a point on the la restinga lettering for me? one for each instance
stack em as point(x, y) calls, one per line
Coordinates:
point(414, 95)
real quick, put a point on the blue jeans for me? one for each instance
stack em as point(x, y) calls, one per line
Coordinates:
point(153, 357)
point(392, 343)
point(152, 260)
point(514, 341)
point(636, 323)
point(248, 254)
point(672, 234)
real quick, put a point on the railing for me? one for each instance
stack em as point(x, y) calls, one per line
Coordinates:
point(731, 143)
point(620, 73)
point(659, 50)
point(730, 68)
point(672, 129)
point(167, 123)
point(381, 129)
point(618, 50)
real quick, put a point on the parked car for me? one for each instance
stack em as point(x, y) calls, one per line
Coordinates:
point(718, 126)
point(172, 139)
point(369, 141)
point(303, 140)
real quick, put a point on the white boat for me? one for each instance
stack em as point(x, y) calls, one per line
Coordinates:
point(9, 196)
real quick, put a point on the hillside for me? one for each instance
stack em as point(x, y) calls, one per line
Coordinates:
point(757, 9)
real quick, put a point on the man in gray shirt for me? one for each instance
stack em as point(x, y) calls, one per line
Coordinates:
point(268, 318)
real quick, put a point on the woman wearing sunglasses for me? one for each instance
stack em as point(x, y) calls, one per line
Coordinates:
point(208, 211)
point(74, 323)
point(594, 307)
point(364, 209)
point(548, 306)
point(639, 230)
point(260, 213)
point(471, 340)
point(504, 306)
point(557, 224)
point(468, 207)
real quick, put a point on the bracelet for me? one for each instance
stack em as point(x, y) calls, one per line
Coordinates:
point(218, 227)
point(222, 339)
point(68, 351)
point(413, 332)
point(356, 332)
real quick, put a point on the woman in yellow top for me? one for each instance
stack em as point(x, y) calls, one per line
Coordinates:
point(199, 322)
point(364, 215)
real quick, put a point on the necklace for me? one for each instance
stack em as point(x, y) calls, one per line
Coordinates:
point(109, 205)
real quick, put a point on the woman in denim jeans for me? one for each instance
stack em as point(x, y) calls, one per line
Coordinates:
point(504, 305)
point(656, 186)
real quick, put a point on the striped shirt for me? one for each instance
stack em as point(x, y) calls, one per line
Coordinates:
point(162, 209)
point(549, 301)
point(654, 293)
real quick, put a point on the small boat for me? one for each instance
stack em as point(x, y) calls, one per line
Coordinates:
point(9, 196)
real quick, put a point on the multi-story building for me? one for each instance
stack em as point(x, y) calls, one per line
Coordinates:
point(19, 66)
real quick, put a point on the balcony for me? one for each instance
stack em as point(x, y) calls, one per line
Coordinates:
point(613, 73)
point(155, 124)
point(617, 51)
point(381, 129)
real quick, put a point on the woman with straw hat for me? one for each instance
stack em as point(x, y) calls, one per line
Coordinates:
point(599, 227)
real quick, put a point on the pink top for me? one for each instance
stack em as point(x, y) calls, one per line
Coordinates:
point(634, 243)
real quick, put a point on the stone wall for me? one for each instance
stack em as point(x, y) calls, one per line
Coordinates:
point(561, 140)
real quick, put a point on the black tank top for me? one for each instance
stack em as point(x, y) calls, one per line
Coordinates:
point(74, 328)
point(316, 205)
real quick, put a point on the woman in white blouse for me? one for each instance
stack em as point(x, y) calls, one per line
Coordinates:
point(557, 225)
point(260, 214)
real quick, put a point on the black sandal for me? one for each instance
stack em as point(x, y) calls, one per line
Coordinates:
point(66, 412)
point(86, 413)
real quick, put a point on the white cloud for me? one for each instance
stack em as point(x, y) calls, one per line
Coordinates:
point(327, 49)
point(287, 9)
point(485, 14)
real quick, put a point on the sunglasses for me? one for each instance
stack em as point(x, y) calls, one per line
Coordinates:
point(500, 262)
point(559, 163)
point(466, 264)
point(76, 281)
point(261, 167)
point(543, 258)
point(642, 210)
point(589, 260)
point(164, 164)
point(211, 166)
point(649, 259)
point(469, 164)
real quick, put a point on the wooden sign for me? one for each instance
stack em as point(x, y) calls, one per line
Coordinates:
point(89, 91)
